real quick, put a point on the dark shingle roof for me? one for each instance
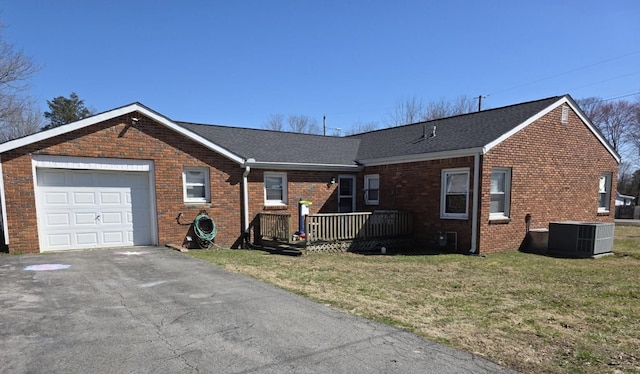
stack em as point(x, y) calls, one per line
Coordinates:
point(465, 131)
point(278, 146)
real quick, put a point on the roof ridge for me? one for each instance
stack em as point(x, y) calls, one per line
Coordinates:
point(256, 129)
point(459, 115)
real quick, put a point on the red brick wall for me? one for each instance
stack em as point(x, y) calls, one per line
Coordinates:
point(147, 140)
point(312, 186)
point(415, 187)
point(555, 177)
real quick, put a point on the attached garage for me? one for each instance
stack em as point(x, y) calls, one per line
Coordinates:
point(94, 204)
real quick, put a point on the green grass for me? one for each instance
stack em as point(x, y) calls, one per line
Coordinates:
point(528, 312)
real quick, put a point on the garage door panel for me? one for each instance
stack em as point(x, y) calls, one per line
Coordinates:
point(84, 218)
point(88, 209)
point(84, 198)
point(112, 218)
point(86, 238)
point(56, 198)
point(58, 219)
point(59, 240)
point(110, 198)
point(113, 237)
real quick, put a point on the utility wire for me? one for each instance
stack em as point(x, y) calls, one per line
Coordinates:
point(567, 72)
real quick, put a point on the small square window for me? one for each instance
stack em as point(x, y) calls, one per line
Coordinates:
point(195, 185)
point(372, 189)
point(275, 188)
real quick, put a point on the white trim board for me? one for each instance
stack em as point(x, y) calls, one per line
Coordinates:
point(132, 108)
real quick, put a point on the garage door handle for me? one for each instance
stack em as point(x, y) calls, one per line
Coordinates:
point(98, 218)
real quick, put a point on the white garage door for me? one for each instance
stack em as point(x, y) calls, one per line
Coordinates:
point(92, 209)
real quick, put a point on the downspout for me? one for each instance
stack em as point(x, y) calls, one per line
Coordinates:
point(476, 198)
point(245, 197)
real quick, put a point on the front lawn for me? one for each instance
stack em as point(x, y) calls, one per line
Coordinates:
point(528, 312)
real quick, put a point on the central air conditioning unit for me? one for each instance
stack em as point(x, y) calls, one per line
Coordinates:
point(580, 239)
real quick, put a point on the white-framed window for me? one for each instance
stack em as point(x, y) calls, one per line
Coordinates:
point(195, 185)
point(275, 188)
point(372, 189)
point(500, 193)
point(454, 200)
point(604, 192)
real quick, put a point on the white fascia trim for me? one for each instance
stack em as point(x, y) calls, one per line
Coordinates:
point(561, 101)
point(43, 135)
point(302, 166)
point(420, 157)
point(113, 114)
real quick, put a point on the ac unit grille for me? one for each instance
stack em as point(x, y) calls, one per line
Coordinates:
point(580, 239)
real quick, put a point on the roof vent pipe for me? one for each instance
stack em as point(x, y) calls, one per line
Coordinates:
point(433, 132)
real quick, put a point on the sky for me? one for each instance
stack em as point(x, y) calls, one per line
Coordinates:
point(238, 62)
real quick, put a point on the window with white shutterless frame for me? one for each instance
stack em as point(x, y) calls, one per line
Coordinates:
point(604, 192)
point(372, 189)
point(275, 188)
point(195, 185)
point(454, 199)
point(500, 193)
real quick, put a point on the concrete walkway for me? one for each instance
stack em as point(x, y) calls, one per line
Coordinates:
point(154, 310)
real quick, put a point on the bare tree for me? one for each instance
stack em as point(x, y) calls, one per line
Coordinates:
point(412, 109)
point(409, 110)
point(360, 127)
point(275, 122)
point(301, 123)
point(617, 121)
point(25, 119)
point(590, 106)
point(16, 108)
point(613, 118)
point(635, 126)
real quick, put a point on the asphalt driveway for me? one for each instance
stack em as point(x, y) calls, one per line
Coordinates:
point(154, 310)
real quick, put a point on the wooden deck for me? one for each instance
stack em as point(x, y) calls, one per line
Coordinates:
point(338, 232)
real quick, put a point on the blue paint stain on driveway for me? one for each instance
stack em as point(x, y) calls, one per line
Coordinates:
point(47, 267)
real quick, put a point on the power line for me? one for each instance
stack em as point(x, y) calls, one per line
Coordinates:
point(603, 81)
point(620, 97)
point(567, 72)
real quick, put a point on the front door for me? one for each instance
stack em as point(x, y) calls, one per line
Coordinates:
point(346, 193)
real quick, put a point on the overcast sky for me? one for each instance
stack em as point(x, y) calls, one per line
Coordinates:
point(237, 62)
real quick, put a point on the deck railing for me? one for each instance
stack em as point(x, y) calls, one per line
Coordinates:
point(361, 225)
point(275, 226)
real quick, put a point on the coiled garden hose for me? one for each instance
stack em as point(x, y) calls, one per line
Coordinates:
point(205, 229)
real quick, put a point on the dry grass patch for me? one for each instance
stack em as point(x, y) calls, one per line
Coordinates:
point(528, 312)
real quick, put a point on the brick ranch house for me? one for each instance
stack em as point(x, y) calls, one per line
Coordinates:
point(131, 176)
